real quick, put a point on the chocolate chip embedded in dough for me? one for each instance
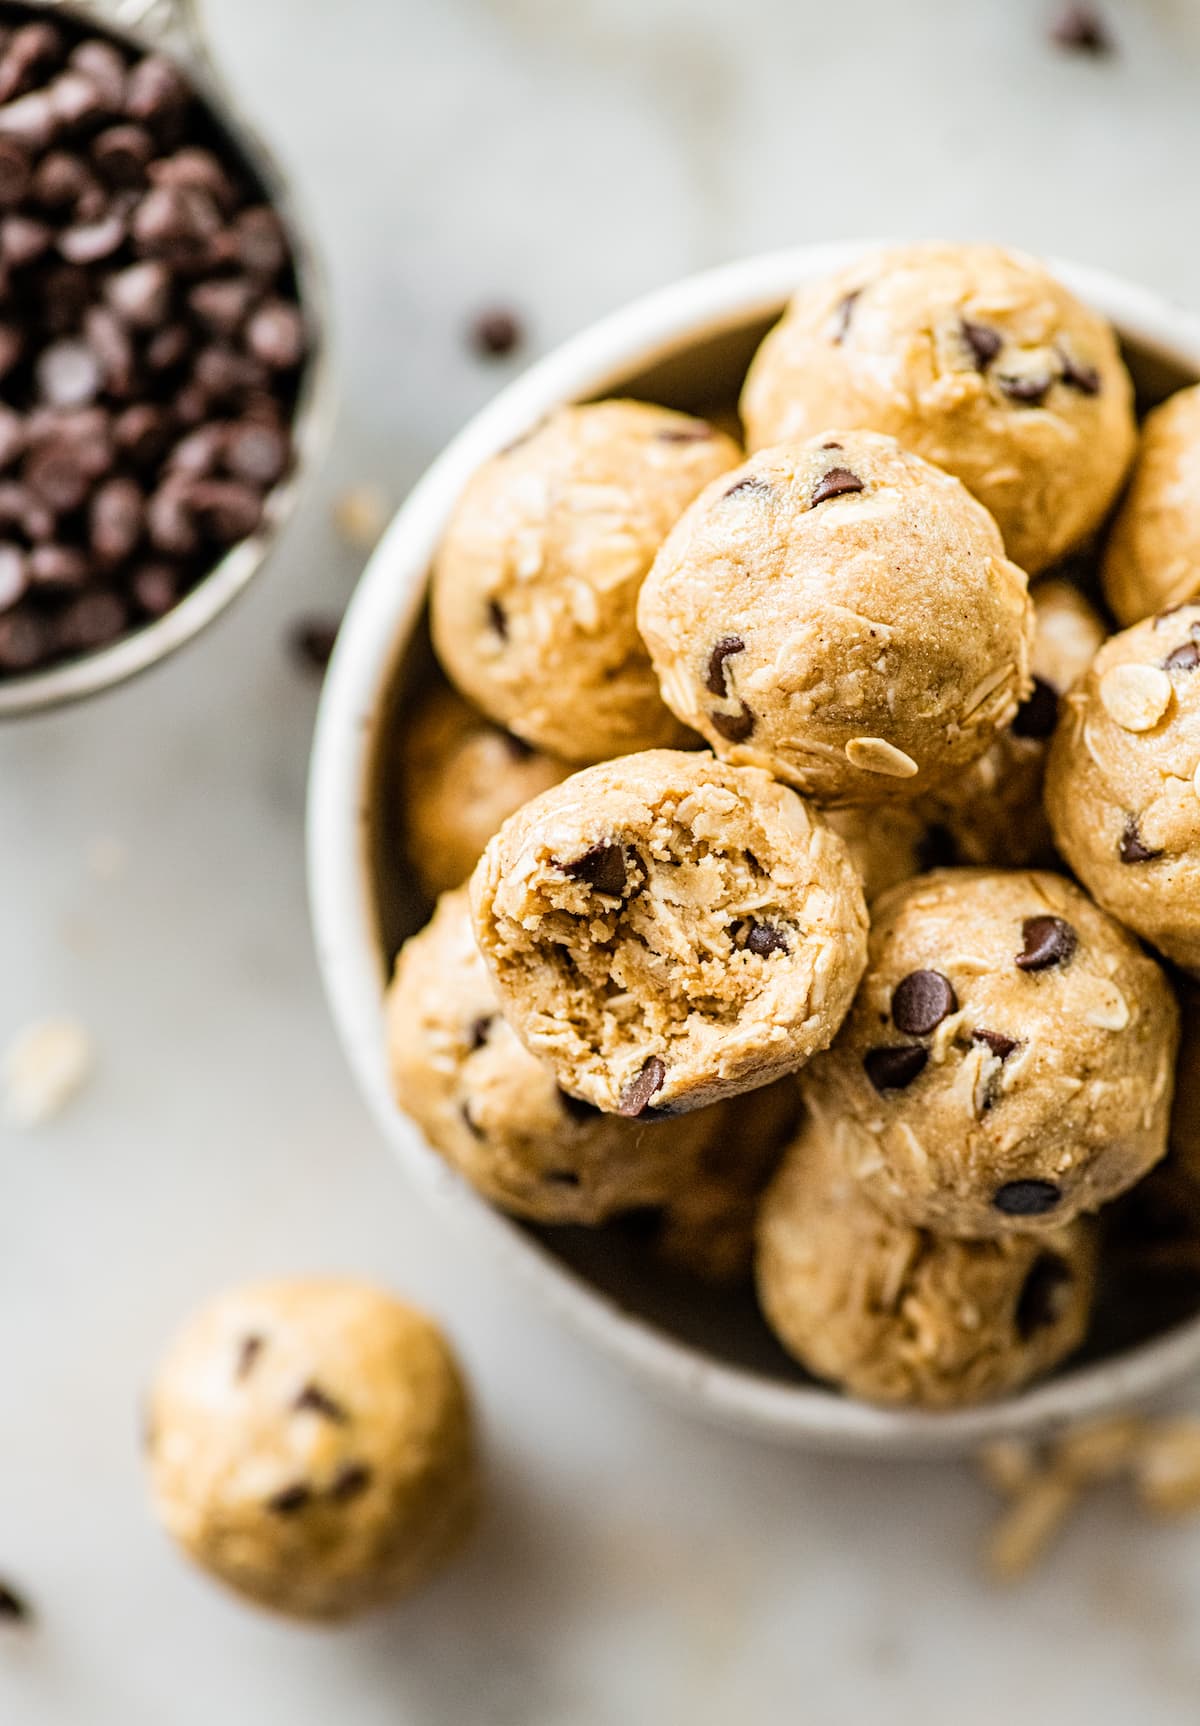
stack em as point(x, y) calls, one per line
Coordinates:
point(761, 938)
point(636, 1096)
point(843, 315)
point(921, 1001)
point(1026, 1198)
point(1048, 941)
point(1000, 1045)
point(350, 1481)
point(603, 867)
point(748, 485)
point(317, 1401)
point(290, 1499)
point(1077, 375)
point(251, 1347)
point(838, 482)
point(1028, 391)
point(984, 342)
point(497, 619)
point(717, 678)
point(895, 1068)
point(1131, 847)
point(733, 727)
point(1185, 658)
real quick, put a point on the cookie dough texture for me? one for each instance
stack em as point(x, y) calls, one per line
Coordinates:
point(667, 930)
point(977, 359)
point(1152, 557)
point(842, 614)
point(461, 777)
point(994, 812)
point(1008, 1063)
point(895, 1314)
point(495, 1111)
point(535, 586)
point(1123, 781)
point(310, 1444)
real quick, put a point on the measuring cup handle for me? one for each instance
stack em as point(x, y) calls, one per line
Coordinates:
point(171, 24)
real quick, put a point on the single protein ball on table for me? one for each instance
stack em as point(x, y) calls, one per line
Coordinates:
point(1123, 781)
point(896, 1314)
point(843, 614)
point(496, 1113)
point(994, 812)
point(977, 359)
point(1009, 1059)
point(1152, 555)
point(310, 1443)
point(460, 778)
point(668, 930)
point(535, 587)
point(887, 843)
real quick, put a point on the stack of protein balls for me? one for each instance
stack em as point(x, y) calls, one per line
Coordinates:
point(150, 341)
point(713, 721)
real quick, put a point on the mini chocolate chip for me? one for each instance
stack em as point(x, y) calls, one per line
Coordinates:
point(1026, 1198)
point(921, 1001)
point(1077, 375)
point(635, 1098)
point(1185, 658)
point(1042, 1299)
point(1038, 714)
point(761, 939)
point(1131, 848)
point(1081, 30)
point(748, 484)
point(481, 1030)
point(832, 445)
point(984, 342)
point(1047, 941)
point(351, 1479)
point(843, 315)
point(602, 867)
point(497, 619)
point(717, 680)
point(838, 482)
point(576, 1107)
point(251, 1347)
point(496, 333)
point(1000, 1045)
point(561, 1178)
point(311, 640)
point(701, 432)
point(733, 727)
point(290, 1499)
point(1029, 391)
point(318, 1401)
point(13, 1606)
point(894, 1068)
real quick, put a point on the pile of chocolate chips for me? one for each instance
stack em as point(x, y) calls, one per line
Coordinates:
point(150, 341)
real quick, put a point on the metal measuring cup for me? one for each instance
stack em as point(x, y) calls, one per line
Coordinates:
point(173, 27)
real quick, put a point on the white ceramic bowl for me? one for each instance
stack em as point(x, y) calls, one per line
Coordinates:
point(688, 346)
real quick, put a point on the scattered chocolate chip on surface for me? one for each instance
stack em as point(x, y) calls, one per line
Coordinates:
point(636, 1096)
point(921, 1001)
point(1048, 941)
point(496, 333)
point(838, 482)
point(1026, 1198)
point(895, 1068)
point(716, 680)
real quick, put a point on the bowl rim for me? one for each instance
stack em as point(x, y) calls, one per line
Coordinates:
point(378, 624)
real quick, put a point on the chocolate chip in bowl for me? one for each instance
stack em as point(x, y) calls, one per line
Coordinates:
point(159, 349)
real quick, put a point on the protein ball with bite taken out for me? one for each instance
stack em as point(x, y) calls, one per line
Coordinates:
point(535, 586)
point(842, 614)
point(1123, 781)
point(667, 930)
point(977, 359)
point(895, 1314)
point(994, 812)
point(1152, 555)
point(496, 1113)
point(1009, 1059)
point(460, 778)
point(310, 1443)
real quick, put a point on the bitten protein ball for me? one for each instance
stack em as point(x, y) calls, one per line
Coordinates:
point(1008, 1063)
point(667, 930)
point(496, 1113)
point(460, 778)
point(975, 358)
point(1152, 555)
point(895, 1314)
point(842, 614)
point(535, 587)
point(310, 1444)
point(1123, 781)
point(994, 812)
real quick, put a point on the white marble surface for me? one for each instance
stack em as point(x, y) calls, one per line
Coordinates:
point(564, 155)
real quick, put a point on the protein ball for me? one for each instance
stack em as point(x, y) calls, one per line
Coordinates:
point(1009, 1060)
point(1152, 555)
point(668, 930)
point(977, 359)
point(310, 1443)
point(898, 1315)
point(535, 586)
point(1123, 781)
point(842, 614)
